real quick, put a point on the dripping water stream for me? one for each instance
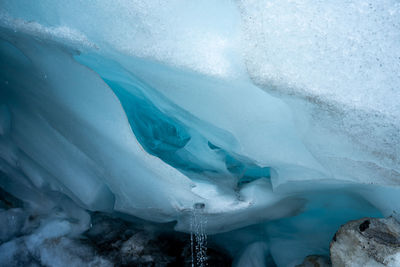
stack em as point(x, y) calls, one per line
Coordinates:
point(198, 236)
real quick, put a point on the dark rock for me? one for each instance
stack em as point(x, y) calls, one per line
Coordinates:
point(129, 244)
point(364, 226)
point(316, 261)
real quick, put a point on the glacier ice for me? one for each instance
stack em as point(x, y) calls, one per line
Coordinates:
point(279, 118)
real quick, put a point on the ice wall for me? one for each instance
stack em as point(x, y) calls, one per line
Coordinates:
point(337, 66)
point(254, 110)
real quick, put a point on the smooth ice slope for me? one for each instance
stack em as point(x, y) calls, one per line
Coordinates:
point(256, 111)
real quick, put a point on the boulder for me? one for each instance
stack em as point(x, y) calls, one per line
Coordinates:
point(367, 242)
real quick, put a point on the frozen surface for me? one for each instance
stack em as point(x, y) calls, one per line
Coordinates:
point(275, 116)
point(337, 66)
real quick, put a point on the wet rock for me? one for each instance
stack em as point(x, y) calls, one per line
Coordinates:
point(63, 251)
point(316, 261)
point(109, 242)
point(131, 244)
point(367, 242)
point(135, 245)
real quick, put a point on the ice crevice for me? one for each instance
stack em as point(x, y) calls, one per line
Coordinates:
point(182, 141)
point(219, 178)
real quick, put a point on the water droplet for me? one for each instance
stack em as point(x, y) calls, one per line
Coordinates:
point(198, 236)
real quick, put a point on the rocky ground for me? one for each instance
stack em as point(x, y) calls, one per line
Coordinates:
point(126, 245)
point(31, 239)
point(369, 242)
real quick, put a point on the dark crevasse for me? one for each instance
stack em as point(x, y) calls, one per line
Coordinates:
point(166, 136)
point(159, 134)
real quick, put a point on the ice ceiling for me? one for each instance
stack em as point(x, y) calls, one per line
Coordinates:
point(282, 114)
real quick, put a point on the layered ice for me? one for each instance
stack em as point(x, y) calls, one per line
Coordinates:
point(275, 116)
point(337, 66)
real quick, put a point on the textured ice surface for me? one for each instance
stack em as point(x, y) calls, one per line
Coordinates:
point(278, 116)
point(337, 66)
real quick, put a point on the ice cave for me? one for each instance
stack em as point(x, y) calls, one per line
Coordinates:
point(243, 133)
